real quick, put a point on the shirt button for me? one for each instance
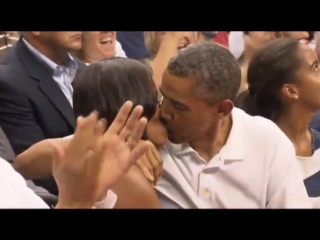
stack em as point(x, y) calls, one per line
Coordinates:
point(205, 192)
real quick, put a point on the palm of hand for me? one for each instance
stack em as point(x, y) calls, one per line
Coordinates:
point(115, 161)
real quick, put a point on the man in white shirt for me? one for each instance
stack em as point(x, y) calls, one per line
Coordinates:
point(94, 161)
point(217, 156)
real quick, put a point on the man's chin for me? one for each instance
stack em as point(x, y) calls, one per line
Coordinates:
point(174, 139)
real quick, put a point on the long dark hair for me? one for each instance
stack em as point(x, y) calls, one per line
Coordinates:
point(271, 67)
point(106, 85)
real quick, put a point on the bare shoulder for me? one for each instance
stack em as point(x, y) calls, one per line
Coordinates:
point(135, 191)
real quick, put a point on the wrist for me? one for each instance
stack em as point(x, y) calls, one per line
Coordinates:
point(73, 205)
point(67, 201)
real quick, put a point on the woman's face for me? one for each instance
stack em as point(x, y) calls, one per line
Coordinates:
point(98, 45)
point(307, 86)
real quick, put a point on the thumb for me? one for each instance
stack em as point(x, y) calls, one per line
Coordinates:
point(57, 150)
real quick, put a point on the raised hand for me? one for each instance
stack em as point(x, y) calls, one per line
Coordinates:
point(182, 39)
point(96, 160)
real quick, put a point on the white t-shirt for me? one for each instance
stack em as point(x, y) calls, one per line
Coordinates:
point(310, 168)
point(256, 168)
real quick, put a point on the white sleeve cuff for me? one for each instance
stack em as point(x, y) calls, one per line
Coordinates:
point(108, 202)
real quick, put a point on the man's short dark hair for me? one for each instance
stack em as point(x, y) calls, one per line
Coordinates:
point(106, 85)
point(213, 67)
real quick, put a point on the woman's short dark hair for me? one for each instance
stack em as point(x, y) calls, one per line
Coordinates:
point(106, 85)
point(271, 67)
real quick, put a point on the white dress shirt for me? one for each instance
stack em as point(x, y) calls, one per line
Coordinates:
point(256, 168)
point(14, 192)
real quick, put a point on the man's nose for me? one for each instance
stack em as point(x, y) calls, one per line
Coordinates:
point(164, 116)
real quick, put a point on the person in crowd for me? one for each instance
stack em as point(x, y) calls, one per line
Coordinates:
point(164, 45)
point(218, 156)
point(104, 86)
point(94, 162)
point(133, 44)
point(254, 41)
point(36, 90)
point(154, 40)
point(284, 86)
point(98, 45)
point(170, 44)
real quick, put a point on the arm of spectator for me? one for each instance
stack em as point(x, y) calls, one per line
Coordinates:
point(17, 119)
point(36, 161)
point(167, 50)
point(253, 41)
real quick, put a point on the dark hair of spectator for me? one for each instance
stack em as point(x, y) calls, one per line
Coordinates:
point(106, 85)
point(272, 66)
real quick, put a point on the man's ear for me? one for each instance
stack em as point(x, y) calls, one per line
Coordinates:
point(223, 108)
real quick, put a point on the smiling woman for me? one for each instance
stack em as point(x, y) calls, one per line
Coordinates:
point(97, 46)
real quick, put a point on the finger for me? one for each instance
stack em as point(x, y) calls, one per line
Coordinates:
point(149, 161)
point(100, 127)
point(131, 122)
point(136, 133)
point(156, 163)
point(120, 119)
point(85, 126)
point(140, 149)
point(145, 170)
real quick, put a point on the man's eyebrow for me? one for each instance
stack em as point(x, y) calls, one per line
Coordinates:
point(172, 100)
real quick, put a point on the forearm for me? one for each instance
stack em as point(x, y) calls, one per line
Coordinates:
point(36, 162)
point(166, 51)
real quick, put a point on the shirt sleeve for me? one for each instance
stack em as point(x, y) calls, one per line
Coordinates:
point(108, 202)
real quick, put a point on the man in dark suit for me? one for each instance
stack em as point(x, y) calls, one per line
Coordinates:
point(35, 89)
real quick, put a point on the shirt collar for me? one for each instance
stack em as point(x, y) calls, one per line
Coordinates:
point(70, 62)
point(234, 149)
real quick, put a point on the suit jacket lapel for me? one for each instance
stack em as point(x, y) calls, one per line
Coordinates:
point(42, 73)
